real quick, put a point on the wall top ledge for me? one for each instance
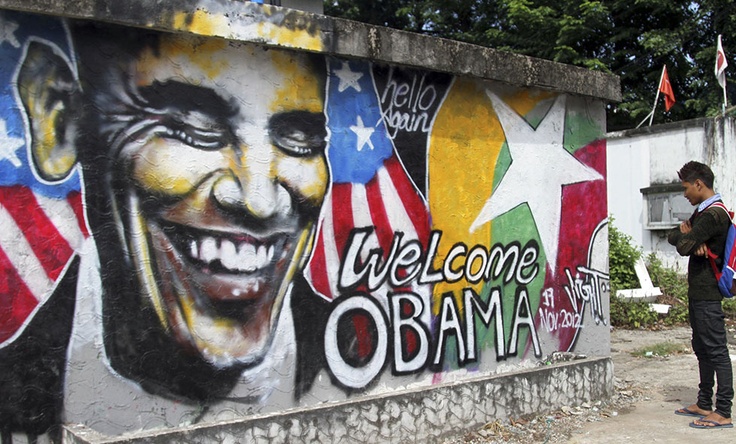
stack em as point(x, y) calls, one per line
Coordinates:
point(276, 26)
point(661, 128)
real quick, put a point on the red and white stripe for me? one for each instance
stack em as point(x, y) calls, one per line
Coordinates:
point(39, 235)
point(389, 202)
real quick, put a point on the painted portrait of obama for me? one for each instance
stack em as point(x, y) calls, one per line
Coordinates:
point(204, 170)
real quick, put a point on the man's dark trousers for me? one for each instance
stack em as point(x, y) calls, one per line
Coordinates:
point(710, 345)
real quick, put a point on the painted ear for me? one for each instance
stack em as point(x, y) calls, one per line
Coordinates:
point(49, 92)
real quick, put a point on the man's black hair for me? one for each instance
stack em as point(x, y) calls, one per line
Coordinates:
point(692, 171)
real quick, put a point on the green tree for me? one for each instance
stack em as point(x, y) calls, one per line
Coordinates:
point(630, 38)
point(399, 14)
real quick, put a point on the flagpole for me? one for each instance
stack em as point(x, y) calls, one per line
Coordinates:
point(645, 119)
point(725, 99)
point(656, 99)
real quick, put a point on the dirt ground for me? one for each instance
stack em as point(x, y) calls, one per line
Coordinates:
point(648, 390)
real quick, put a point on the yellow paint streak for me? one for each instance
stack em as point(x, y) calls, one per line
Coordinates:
point(464, 145)
point(295, 38)
point(54, 158)
point(313, 189)
point(201, 22)
point(159, 170)
point(303, 91)
point(187, 54)
point(145, 266)
point(525, 100)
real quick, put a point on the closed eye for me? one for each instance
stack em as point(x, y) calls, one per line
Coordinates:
point(298, 133)
point(208, 140)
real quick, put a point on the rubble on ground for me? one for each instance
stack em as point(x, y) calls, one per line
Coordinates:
point(557, 426)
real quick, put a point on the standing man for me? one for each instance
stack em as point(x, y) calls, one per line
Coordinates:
point(707, 227)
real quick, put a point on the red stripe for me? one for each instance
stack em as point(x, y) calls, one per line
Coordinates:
point(413, 203)
point(16, 299)
point(384, 228)
point(377, 209)
point(343, 222)
point(318, 268)
point(342, 215)
point(75, 200)
point(362, 328)
point(50, 247)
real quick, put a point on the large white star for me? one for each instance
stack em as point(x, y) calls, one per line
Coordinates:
point(540, 167)
point(364, 134)
point(348, 78)
point(9, 145)
point(7, 32)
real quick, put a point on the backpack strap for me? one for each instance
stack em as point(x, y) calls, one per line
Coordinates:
point(719, 204)
point(712, 259)
point(712, 256)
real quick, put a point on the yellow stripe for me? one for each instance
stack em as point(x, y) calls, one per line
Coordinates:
point(464, 145)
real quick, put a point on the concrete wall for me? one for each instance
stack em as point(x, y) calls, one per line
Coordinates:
point(215, 210)
point(651, 156)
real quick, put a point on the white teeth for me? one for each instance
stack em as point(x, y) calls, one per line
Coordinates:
point(228, 254)
point(247, 257)
point(262, 256)
point(208, 251)
point(233, 256)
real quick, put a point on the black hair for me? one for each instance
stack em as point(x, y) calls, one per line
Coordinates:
point(692, 171)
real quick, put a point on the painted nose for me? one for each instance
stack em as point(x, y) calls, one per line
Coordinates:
point(252, 189)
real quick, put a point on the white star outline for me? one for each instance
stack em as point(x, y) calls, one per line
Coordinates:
point(7, 32)
point(363, 134)
point(540, 167)
point(9, 145)
point(348, 78)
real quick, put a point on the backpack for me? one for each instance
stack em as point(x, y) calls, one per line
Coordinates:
point(725, 275)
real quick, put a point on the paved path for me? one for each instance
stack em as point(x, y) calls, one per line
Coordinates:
point(668, 383)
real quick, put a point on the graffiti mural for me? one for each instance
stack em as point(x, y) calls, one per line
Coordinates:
point(195, 229)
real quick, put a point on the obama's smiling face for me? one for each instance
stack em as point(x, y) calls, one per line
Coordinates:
point(215, 175)
point(217, 187)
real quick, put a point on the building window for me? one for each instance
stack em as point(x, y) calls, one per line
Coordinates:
point(666, 207)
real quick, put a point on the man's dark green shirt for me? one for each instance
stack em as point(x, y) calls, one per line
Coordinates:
point(709, 227)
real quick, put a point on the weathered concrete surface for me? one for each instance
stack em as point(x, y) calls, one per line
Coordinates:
point(421, 416)
point(246, 22)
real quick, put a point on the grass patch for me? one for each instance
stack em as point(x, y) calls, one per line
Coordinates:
point(661, 349)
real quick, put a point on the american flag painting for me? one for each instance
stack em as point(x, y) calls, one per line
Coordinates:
point(42, 222)
point(370, 187)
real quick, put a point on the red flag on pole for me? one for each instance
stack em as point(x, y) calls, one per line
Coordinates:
point(665, 87)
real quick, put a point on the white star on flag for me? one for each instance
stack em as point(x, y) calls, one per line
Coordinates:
point(9, 145)
point(363, 134)
point(348, 78)
point(7, 32)
point(540, 167)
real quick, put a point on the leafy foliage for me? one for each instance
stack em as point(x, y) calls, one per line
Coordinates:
point(630, 38)
point(622, 256)
point(631, 314)
point(674, 288)
point(729, 308)
point(621, 259)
